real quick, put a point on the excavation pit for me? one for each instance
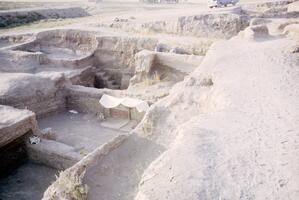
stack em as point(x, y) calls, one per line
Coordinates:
point(185, 146)
point(62, 44)
point(61, 76)
point(19, 177)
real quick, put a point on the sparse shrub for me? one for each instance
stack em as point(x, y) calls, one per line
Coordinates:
point(147, 126)
point(155, 78)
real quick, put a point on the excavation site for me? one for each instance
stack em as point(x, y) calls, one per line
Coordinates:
point(149, 100)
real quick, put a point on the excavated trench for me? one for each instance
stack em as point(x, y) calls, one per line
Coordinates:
point(20, 178)
point(70, 52)
point(61, 75)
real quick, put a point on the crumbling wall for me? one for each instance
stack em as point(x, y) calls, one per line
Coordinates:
point(84, 77)
point(77, 40)
point(15, 126)
point(8, 40)
point(216, 25)
point(70, 185)
point(12, 61)
point(53, 154)
point(64, 48)
point(84, 99)
point(212, 25)
point(271, 9)
point(116, 55)
point(159, 66)
point(14, 123)
point(184, 45)
point(41, 94)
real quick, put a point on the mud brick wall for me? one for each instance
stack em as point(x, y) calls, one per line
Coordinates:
point(15, 126)
point(19, 123)
point(84, 99)
point(41, 104)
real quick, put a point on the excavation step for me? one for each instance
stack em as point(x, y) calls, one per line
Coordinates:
point(104, 80)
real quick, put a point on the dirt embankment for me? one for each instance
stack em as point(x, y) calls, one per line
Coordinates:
point(22, 16)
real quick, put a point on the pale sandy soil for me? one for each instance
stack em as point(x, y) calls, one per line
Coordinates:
point(107, 11)
point(101, 12)
point(236, 138)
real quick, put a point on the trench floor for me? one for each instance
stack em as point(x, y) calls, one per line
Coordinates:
point(29, 181)
point(84, 132)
